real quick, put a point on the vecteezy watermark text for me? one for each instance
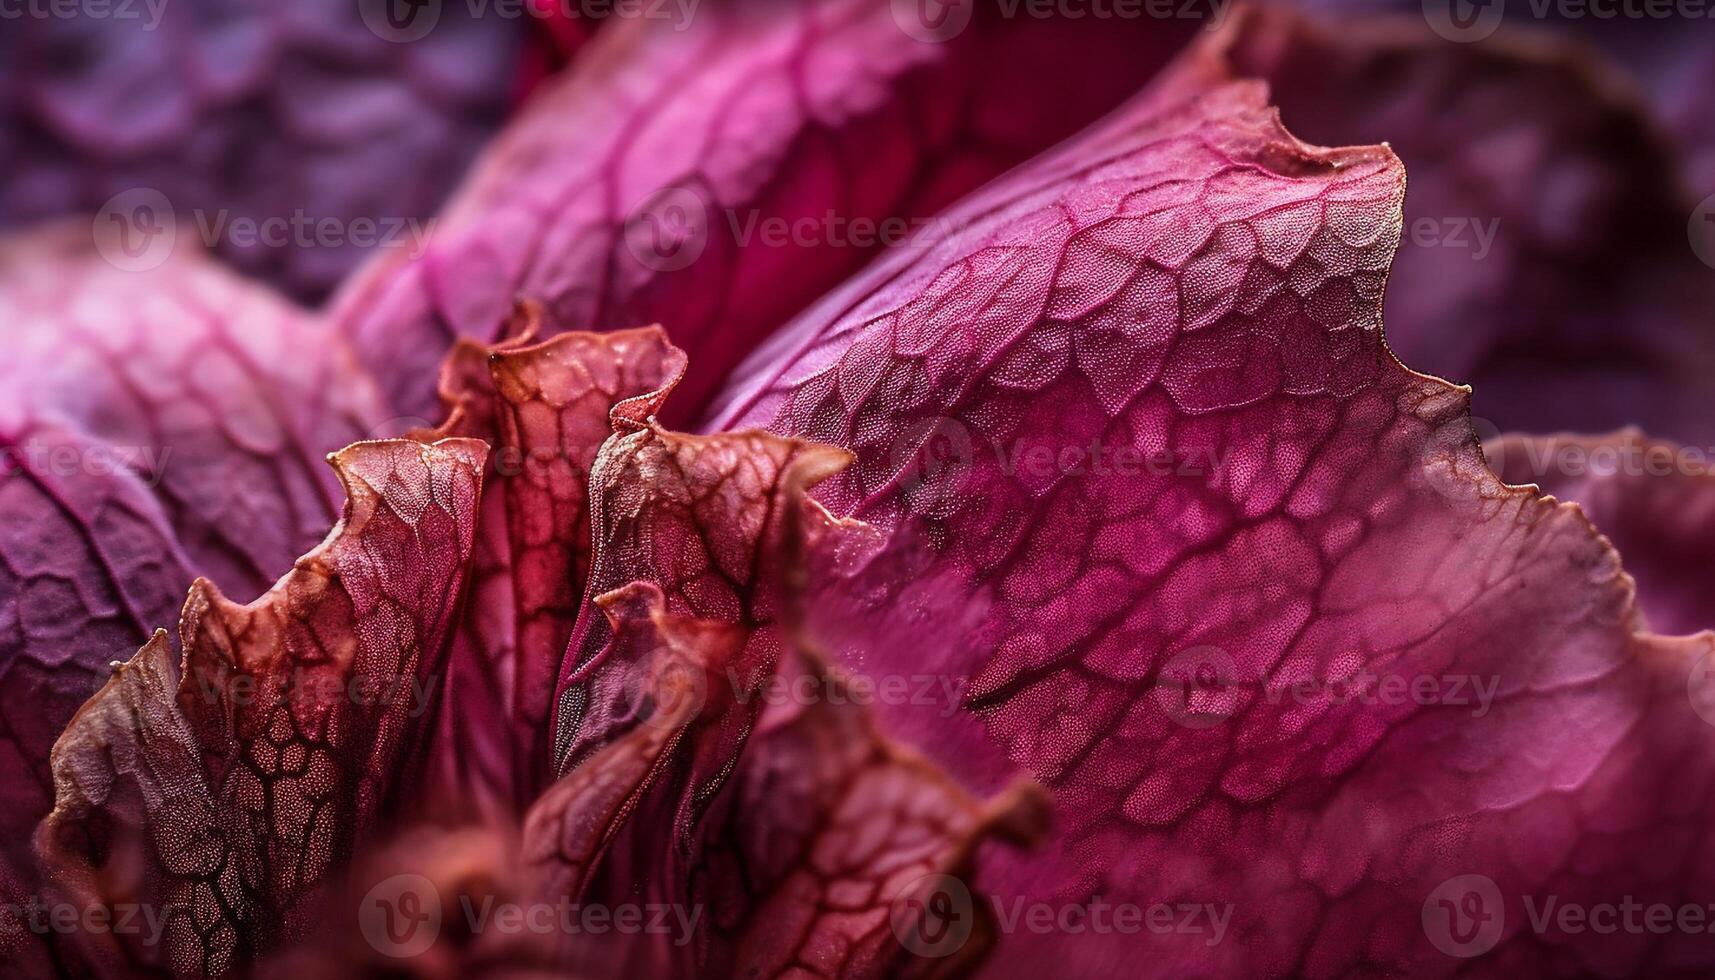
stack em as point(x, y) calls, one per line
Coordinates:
point(404, 21)
point(936, 21)
point(934, 916)
point(138, 229)
point(1202, 686)
point(147, 11)
point(1466, 916)
point(306, 686)
point(45, 918)
point(403, 916)
point(147, 463)
point(1466, 21)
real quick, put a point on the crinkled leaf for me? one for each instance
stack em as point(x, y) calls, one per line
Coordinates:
point(1544, 256)
point(224, 793)
point(546, 409)
point(716, 175)
point(1142, 414)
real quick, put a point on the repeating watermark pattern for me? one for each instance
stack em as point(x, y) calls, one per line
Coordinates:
point(933, 21)
point(1559, 457)
point(138, 229)
point(148, 12)
point(681, 689)
point(148, 923)
point(405, 21)
point(1466, 21)
point(668, 696)
point(1202, 686)
point(929, 455)
point(306, 686)
point(1701, 230)
point(403, 916)
point(400, 21)
point(840, 231)
point(1466, 916)
point(941, 693)
point(148, 464)
point(1198, 687)
point(930, 458)
point(935, 915)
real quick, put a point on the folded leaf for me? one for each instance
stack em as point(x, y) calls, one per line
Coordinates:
point(1251, 604)
point(546, 410)
point(224, 793)
point(786, 827)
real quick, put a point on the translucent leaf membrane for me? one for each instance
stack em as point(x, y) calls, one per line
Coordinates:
point(154, 426)
point(1654, 500)
point(240, 114)
point(717, 767)
point(222, 792)
point(545, 408)
point(718, 174)
point(1237, 585)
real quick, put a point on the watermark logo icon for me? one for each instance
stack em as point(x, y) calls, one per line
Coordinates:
point(669, 230)
point(1444, 461)
point(400, 21)
point(930, 458)
point(933, 916)
point(933, 21)
point(1198, 687)
point(1464, 21)
point(401, 916)
point(1702, 231)
point(678, 690)
point(1464, 917)
point(135, 231)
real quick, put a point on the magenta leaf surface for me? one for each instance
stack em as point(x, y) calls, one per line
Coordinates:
point(1247, 597)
